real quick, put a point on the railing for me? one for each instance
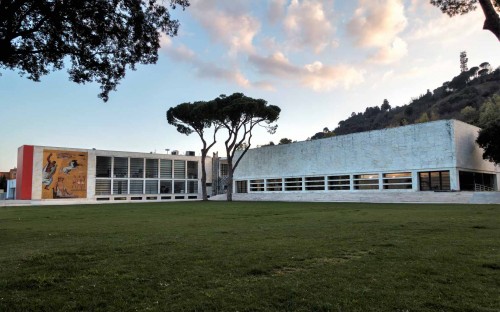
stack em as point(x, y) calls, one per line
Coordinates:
point(482, 188)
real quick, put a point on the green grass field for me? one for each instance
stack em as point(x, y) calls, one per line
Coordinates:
point(244, 256)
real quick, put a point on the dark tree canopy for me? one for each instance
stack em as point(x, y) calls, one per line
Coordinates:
point(196, 117)
point(238, 115)
point(490, 9)
point(489, 140)
point(100, 39)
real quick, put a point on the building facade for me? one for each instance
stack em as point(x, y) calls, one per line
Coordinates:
point(54, 173)
point(434, 156)
point(439, 156)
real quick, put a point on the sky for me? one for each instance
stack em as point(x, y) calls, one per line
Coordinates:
point(319, 61)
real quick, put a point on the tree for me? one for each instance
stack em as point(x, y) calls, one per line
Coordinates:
point(238, 115)
point(385, 106)
point(463, 61)
point(489, 7)
point(284, 141)
point(489, 140)
point(196, 117)
point(489, 111)
point(101, 39)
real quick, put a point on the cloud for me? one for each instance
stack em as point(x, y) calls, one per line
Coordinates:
point(388, 54)
point(276, 65)
point(321, 77)
point(308, 26)
point(315, 76)
point(276, 10)
point(231, 27)
point(376, 23)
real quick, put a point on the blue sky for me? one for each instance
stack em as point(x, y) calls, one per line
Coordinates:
point(317, 60)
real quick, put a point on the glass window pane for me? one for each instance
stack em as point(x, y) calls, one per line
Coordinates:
point(120, 187)
point(151, 168)
point(165, 187)
point(179, 169)
point(102, 187)
point(136, 167)
point(165, 168)
point(136, 186)
point(120, 169)
point(192, 187)
point(192, 169)
point(241, 186)
point(151, 186)
point(179, 187)
point(103, 167)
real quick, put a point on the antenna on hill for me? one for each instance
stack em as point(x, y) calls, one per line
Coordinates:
point(463, 61)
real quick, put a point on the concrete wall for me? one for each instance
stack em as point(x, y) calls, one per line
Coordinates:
point(414, 147)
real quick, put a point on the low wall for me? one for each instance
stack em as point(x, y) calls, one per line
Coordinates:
point(372, 197)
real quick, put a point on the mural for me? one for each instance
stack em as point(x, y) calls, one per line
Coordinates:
point(64, 174)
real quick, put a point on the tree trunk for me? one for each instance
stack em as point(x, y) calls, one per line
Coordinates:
point(229, 192)
point(203, 175)
point(492, 20)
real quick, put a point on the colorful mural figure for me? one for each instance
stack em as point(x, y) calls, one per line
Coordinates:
point(64, 174)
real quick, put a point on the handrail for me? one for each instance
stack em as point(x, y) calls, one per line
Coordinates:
point(482, 188)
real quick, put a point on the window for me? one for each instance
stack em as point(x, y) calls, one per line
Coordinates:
point(179, 187)
point(341, 182)
point(224, 169)
point(241, 186)
point(434, 180)
point(103, 167)
point(192, 187)
point(120, 187)
point(136, 167)
point(397, 181)
point(192, 169)
point(120, 167)
point(366, 181)
point(315, 183)
point(293, 184)
point(165, 168)
point(256, 185)
point(274, 185)
point(179, 169)
point(165, 187)
point(152, 168)
point(136, 186)
point(102, 187)
point(151, 187)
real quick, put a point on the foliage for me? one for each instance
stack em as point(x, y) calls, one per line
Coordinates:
point(284, 141)
point(489, 140)
point(470, 90)
point(490, 111)
point(238, 115)
point(196, 117)
point(101, 39)
point(242, 256)
point(385, 105)
point(458, 7)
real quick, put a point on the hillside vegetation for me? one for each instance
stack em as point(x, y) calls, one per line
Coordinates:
point(473, 97)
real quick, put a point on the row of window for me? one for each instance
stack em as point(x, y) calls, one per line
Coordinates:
point(128, 167)
point(435, 180)
point(119, 186)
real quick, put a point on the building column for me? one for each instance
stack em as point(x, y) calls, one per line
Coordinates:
point(454, 181)
point(414, 181)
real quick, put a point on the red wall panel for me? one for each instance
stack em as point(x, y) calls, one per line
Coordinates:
point(24, 179)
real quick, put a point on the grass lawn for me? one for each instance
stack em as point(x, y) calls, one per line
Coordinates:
point(247, 256)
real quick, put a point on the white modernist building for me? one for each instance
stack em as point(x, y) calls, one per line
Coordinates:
point(398, 164)
point(434, 156)
point(56, 174)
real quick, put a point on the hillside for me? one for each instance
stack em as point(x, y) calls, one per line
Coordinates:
point(462, 98)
